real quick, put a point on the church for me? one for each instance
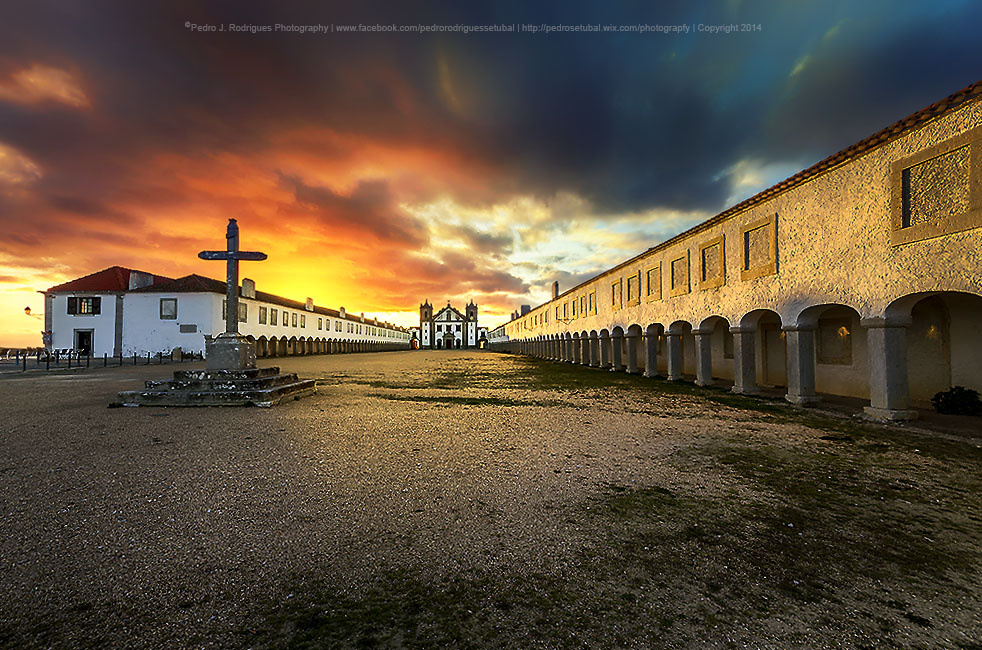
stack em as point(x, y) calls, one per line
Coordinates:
point(448, 328)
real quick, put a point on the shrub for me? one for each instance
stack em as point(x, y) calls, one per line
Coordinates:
point(958, 400)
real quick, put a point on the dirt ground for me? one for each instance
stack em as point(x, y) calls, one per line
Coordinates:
point(471, 500)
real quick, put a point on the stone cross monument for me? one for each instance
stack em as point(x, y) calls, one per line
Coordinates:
point(231, 350)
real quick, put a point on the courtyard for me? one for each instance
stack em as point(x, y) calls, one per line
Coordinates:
point(469, 499)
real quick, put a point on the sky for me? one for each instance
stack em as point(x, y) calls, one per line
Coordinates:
point(381, 168)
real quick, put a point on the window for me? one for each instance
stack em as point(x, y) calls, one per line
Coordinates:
point(337, 326)
point(933, 192)
point(243, 311)
point(303, 320)
point(615, 294)
point(320, 323)
point(168, 309)
point(85, 306)
point(654, 283)
point(634, 288)
point(263, 311)
point(680, 275)
point(458, 328)
point(574, 307)
point(592, 299)
point(557, 313)
point(759, 248)
point(273, 314)
point(711, 269)
point(294, 319)
point(583, 305)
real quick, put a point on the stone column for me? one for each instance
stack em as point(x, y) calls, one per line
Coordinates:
point(605, 351)
point(594, 352)
point(632, 353)
point(651, 354)
point(704, 357)
point(616, 343)
point(674, 357)
point(801, 365)
point(888, 388)
point(744, 361)
point(585, 350)
point(576, 348)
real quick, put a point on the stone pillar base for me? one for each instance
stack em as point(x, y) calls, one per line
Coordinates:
point(803, 400)
point(650, 375)
point(893, 415)
point(230, 352)
point(708, 382)
point(745, 391)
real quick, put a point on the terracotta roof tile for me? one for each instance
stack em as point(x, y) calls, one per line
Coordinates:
point(115, 278)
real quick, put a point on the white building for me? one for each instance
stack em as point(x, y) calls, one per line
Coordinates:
point(448, 328)
point(119, 311)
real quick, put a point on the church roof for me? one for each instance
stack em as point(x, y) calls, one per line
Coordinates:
point(115, 278)
point(460, 316)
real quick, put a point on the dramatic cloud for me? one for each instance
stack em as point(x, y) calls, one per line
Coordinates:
point(40, 83)
point(379, 169)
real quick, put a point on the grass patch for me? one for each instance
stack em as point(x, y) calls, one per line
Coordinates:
point(464, 400)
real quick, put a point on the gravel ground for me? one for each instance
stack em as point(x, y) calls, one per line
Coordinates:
point(468, 499)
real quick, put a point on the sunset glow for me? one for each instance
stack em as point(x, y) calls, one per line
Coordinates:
point(379, 170)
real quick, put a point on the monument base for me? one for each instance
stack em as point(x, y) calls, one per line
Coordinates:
point(230, 352)
point(247, 387)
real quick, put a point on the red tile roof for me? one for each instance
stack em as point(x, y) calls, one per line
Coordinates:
point(200, 284)
point(115, 278)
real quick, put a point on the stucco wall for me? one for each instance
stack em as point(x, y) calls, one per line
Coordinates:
point(835, 245)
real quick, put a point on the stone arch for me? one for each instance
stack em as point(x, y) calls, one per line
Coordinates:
point(827, 353)
point(714, 350)
point(759, 351)
point(273, 349)
point(634, 352)
point(941, 341)
point(594, 349)
point(604, 344)
point(617, 349)
point(654, 356)
point(283, 347)
point(262, 347)
point(585, 348)
point(301, 346)
point(292, 346)
point(680, 350)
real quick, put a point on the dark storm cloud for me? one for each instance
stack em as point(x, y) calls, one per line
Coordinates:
point(369, 209)
point(628, 121)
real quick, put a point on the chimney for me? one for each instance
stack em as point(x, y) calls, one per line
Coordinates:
point(555, 289)
point(139, 279)
point(526, 309)
point(248, 288)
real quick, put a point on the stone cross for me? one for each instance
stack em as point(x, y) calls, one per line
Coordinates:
point(232, 255)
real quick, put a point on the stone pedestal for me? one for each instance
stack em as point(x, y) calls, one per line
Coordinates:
point(230, 352)
point(247, 387)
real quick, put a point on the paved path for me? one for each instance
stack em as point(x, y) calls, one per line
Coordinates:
point(469, 499)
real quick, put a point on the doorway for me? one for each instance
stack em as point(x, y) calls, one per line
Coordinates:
point(83, 342)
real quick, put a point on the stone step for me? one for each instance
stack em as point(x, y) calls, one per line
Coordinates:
point(263, 397)
point(222, 383)
point(201, 375)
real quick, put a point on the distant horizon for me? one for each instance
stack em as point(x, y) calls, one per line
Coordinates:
point(383, 168)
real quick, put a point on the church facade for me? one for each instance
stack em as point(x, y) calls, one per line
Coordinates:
point(448, 329)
